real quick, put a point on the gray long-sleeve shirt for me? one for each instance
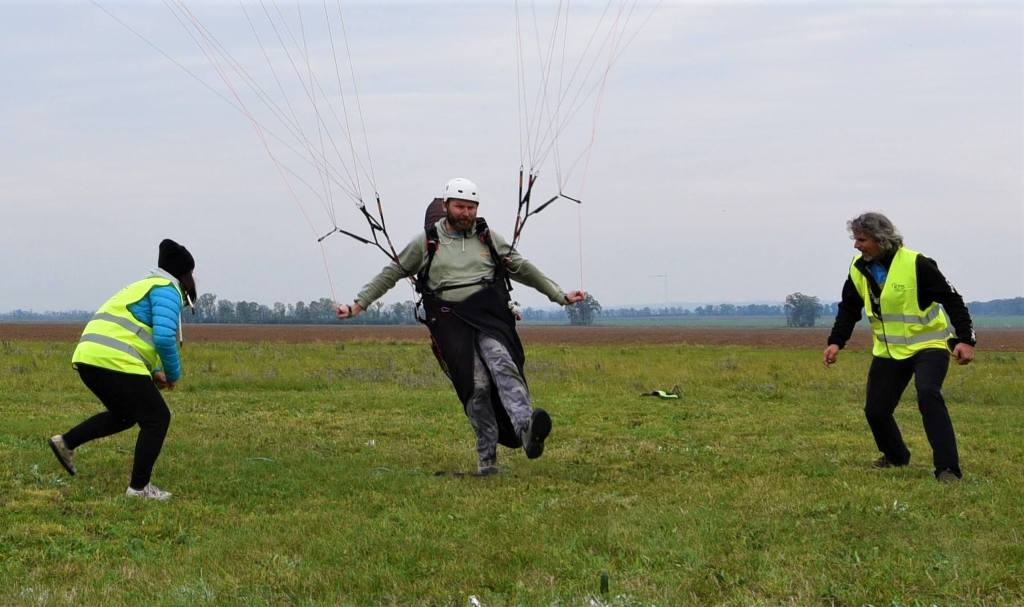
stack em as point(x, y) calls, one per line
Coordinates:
point(460, 259)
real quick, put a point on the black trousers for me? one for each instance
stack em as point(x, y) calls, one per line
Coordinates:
point(887, 379)
point(129, 399)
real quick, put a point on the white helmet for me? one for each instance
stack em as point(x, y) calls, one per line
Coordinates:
point(461, 188)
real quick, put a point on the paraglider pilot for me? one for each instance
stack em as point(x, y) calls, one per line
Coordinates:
point(462, 271)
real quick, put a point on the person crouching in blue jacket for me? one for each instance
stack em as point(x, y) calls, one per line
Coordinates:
point(128, 352)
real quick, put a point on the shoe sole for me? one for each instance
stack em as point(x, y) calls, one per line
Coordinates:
point(540, 428)
point(882, 464)
point(888, 465)
point(56, 453)
point(145, 498)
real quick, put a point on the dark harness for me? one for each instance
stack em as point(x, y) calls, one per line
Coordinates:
point(454, 326)
point(483, 233)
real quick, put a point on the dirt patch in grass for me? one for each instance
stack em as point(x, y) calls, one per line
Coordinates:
point(1003, 340)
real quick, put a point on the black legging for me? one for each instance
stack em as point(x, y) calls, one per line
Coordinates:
point(129, 399)
point(887, 379)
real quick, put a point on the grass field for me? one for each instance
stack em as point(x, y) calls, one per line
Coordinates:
point(695, 321)
point(998, 322)
point(981, 322)
point(305, 474)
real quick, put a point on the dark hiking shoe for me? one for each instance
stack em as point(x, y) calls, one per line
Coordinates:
point(885, 462)
point(487, 467)
point(882, 462)
point(536, 432)
point(947, 476)
point(65, 456)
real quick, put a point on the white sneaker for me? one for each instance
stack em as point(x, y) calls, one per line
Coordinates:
point(149, 492)
point(65, 456)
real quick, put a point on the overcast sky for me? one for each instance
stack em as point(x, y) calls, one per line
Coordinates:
point(734, 141)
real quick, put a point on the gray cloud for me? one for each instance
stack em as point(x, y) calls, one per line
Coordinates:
point(733, 143)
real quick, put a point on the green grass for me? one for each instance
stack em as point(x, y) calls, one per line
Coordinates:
point(305, 475)
point(695, 321)
point(999, 322)
point(765, 322)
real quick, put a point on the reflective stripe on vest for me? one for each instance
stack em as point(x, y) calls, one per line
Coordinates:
point(127, 324)
point(114, 339)
point(920, 338)
point(110, 342)
point(920, 320)
point(900, 328)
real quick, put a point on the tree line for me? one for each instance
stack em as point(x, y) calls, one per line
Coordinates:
point(798, 309)
point(210, 309)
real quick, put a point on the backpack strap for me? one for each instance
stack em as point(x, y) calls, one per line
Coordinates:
point(433, 241)
point(483, 232)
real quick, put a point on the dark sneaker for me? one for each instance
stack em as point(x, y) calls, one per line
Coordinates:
point(885, 462)
point(65, 456)
point(538, 430)
point(947, 476)
point(487, 467)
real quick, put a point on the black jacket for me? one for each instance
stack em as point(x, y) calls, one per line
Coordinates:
point(932, 287)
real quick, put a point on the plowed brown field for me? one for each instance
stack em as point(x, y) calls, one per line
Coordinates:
point(1006, 340)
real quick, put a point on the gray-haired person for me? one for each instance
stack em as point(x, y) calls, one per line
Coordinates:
point(904, 294)
point(462, 269)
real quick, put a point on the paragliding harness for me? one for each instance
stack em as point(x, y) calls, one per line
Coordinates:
point(454, 326)
point(483, 234)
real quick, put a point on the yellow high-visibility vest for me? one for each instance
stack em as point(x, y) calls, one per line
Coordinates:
point(901, 328)
point(114, 339)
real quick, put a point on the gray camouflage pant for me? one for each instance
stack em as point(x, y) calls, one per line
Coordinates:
point(494, 363)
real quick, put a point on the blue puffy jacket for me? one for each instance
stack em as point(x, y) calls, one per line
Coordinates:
point(161, 309)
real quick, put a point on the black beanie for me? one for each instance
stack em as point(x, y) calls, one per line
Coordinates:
point(175, 259)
